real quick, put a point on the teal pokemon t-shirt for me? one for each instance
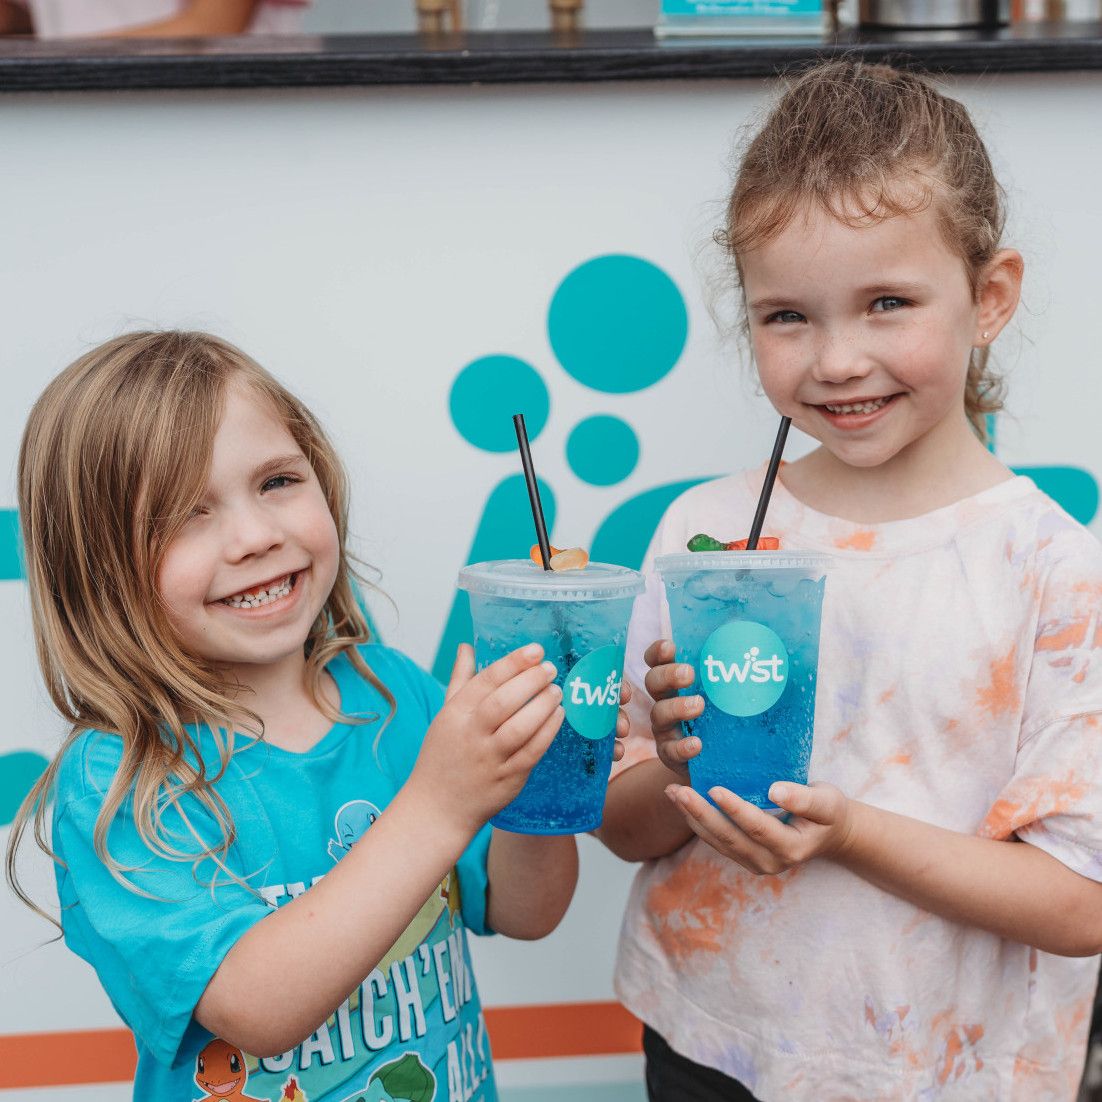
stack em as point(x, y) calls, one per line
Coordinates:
point(412, 1031)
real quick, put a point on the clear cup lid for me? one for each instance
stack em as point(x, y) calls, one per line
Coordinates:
point(691, 562)
point(523, 579)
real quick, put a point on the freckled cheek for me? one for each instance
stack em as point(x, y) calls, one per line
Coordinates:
point(779, 367)
point(769, 349)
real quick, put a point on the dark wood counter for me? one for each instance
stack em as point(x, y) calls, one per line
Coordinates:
point(502, 58)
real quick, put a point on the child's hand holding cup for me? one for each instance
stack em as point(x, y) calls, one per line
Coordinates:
point(664, 680)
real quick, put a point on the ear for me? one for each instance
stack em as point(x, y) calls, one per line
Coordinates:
point(997, 296)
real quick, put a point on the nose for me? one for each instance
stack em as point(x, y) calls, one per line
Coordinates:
point(252, 531)
point(839, 358)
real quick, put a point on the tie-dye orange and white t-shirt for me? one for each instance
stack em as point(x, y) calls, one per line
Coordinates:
point(960, 682)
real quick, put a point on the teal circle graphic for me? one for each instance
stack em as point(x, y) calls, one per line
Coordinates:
point(602, 450)
point(486, 394)
point(744, 668)
point(18, 772)
point(591, 692)
point(618, 324)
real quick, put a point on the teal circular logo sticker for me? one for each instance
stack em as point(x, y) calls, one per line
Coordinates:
point(591, 692)
point(744, 668)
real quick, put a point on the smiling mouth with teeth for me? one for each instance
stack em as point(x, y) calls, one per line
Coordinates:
point(859, 407)
point(268, 593)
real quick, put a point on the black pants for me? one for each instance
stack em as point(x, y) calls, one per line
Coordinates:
point(674, 1078)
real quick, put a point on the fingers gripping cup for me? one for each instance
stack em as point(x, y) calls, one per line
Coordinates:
point(580, 618)
point(748, 624)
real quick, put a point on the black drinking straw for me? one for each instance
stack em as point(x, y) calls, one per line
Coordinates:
point(533, 489)
point(767, 485)
point(545, 547)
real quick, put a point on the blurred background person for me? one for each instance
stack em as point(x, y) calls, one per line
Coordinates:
point(150, 18)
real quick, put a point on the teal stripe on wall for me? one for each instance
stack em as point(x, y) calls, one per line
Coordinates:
point(591, 1092)
point(11, 566)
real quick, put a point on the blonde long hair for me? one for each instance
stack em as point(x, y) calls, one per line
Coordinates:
point(114, 458)
point(866, 142)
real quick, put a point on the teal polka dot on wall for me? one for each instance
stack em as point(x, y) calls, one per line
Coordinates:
point(486, 394)
point(618, 324)
point(602, 450)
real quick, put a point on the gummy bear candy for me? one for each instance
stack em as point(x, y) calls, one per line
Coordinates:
point(537, 558)
point(765, 543)
point(702, 542)
point(573, 558)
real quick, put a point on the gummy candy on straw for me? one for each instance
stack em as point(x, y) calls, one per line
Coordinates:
point(533, 489)
point(767, 485)
point(536, 555)
point(573, 558)
point(703, 542)
point(766, 543)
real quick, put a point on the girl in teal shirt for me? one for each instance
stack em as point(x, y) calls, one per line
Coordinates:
point(271, 833)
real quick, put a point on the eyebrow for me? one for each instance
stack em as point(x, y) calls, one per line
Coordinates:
point(771, 303)
point(893, 286)
point(278, 462)
point(901, 287)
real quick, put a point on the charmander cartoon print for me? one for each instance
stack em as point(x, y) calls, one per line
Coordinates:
point(220, 1071)
point(292, 1092)
point(350, 825)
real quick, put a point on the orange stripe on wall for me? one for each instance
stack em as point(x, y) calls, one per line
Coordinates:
point(516, 1033)
point(66, 1059)
point(562, 1029)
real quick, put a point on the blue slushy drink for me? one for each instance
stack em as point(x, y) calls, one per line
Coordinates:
point(580, 618)
point(748, 624)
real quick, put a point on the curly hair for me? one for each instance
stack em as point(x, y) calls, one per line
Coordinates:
point(866, 142)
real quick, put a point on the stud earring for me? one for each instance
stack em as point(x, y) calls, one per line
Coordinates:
point(986, 334)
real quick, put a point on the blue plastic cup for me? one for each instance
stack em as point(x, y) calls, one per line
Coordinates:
point(748, 624)
point(580, 618)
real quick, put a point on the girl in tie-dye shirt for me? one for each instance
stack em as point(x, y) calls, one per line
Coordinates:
point(925, 922)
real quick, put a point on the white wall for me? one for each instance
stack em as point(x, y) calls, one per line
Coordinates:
point(365, 245)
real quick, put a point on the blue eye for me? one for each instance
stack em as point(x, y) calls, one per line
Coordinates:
point(888, 303)
point(785, 317)
point(279, 481)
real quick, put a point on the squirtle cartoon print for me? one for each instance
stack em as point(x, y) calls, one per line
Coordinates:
point(350, 825)
point(220, 1071)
